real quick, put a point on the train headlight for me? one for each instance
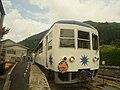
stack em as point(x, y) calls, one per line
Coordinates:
point(72, 59)
point(64, 58)
point(95, 59)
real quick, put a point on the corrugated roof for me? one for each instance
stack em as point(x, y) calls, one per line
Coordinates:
point(8, 40)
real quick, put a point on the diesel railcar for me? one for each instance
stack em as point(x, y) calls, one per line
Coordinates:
point(69, 51)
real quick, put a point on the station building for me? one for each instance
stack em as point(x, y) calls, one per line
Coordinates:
point(13, 51)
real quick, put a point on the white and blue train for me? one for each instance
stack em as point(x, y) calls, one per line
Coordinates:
point(70, 52)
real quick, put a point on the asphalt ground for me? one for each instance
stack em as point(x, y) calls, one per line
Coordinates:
point(20, 76)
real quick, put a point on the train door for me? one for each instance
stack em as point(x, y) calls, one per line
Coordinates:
point(46, 51)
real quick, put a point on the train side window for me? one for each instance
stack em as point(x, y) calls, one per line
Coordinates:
point(50, 45)
point(50, 41)
point(41, 47)
point(95, 42)
point(66, 38)
point(83, 40)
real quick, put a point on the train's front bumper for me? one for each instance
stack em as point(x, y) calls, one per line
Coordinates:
point(84, 75)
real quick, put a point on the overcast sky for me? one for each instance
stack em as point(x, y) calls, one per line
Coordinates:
point(29, 17)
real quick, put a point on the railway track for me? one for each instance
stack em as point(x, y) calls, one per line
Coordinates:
point(109, 80)
point(77, 86)
point(110, 71)
point(108, 77)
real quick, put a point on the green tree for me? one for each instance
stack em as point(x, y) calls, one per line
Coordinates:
point(5, 30)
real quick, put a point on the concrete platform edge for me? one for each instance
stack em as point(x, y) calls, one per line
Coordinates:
point(7, 81)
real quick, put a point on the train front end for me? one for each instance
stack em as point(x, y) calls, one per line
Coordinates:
point(75, 52)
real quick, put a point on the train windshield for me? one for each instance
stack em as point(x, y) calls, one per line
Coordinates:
point(66, 38)
point(83, 40)
point(95, 42)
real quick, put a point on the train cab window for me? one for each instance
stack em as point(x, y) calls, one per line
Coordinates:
point(83, 40)
point(66, 38)
point(95, 42)
point(66, 33)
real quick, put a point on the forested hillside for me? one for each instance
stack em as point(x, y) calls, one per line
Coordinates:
point(109, 34)
point(33, 41)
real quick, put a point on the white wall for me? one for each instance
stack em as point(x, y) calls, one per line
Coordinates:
point(19, 52)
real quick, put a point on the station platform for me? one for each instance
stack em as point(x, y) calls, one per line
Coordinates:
point(26, 76)
point(37, 80)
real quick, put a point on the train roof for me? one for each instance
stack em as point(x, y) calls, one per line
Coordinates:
point(75, 22)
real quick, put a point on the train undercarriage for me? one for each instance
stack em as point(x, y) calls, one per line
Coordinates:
point(82, 76)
